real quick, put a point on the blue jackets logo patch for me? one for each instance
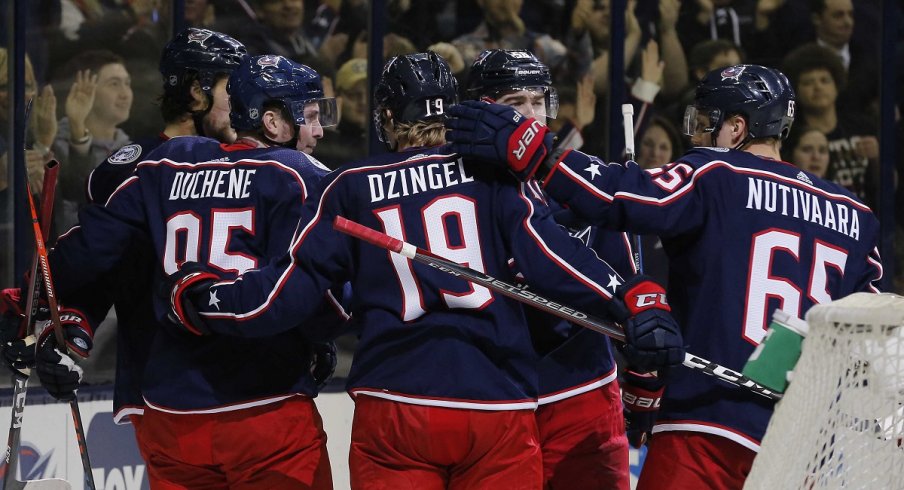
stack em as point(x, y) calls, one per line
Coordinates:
point(126, 154)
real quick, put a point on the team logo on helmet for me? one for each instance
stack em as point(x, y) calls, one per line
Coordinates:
point(199, 36)
point(268, 60)
point(732, 72)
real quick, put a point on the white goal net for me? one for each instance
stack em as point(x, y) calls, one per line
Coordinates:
point(841, 421)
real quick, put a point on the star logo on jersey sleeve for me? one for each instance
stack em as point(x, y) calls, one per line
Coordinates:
point(614, 283)
point(594, 170)
point(214, 301)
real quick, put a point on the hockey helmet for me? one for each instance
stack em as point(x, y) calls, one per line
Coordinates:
point(499, 71)
point(762, 95)
point(202, 51)
point(414, 87)
point(262, 79)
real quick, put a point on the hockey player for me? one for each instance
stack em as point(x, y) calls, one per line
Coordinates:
point(246, 402)
point(745, 233)
point(582, 435)
point(444, 376)
point(195, 66)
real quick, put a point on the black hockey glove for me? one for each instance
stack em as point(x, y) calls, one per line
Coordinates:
point(641, 397)
point(652, 337)
point(188, 287)
point(323, 362)
point(57, 370)
point(498, 134)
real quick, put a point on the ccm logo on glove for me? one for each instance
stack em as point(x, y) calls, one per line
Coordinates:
point(651, 299)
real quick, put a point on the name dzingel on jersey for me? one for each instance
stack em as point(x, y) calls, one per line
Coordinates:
point(230, 184)
point(412, 180)
point(774, 197)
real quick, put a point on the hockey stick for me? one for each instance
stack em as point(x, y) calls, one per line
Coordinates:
point(627, 111)
point(578, 317)
point(20, 378)
point(60, 338)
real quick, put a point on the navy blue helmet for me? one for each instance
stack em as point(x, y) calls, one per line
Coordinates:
point(414, 87)
point(760, 94)
point(270, 78)
point(202, 51)
point(499, 71)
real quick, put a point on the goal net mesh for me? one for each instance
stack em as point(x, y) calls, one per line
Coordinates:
point(841, 421)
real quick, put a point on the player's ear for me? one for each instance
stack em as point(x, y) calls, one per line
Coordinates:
point(199, 100)
point(270, 123)
point(738, 128)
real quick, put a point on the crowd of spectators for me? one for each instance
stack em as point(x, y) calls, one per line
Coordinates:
point(92, 70)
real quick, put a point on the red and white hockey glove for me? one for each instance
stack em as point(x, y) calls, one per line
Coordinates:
point(653, 339)
point(186, 286)
point(57, 370)
point(498, 134)
point(641, 397)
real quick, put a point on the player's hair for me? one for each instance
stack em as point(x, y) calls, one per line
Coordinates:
point(811, 57)
point(172, 107)
point(419, 133)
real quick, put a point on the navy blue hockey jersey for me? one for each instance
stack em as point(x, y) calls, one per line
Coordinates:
point(231, 212)
point(128, 288)
point(426, 337)
point(745, 235)
point(574, 359)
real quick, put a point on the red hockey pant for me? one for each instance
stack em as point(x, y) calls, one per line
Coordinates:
point(583, 441)
point(694, 461)
point(279, 445)
point(399, 446)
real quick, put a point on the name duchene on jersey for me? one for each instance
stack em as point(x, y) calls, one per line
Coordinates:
point(414, 180)
point(774, 197)
point(232, 183)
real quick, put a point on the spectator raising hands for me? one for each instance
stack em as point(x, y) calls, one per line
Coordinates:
point(79, 103)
